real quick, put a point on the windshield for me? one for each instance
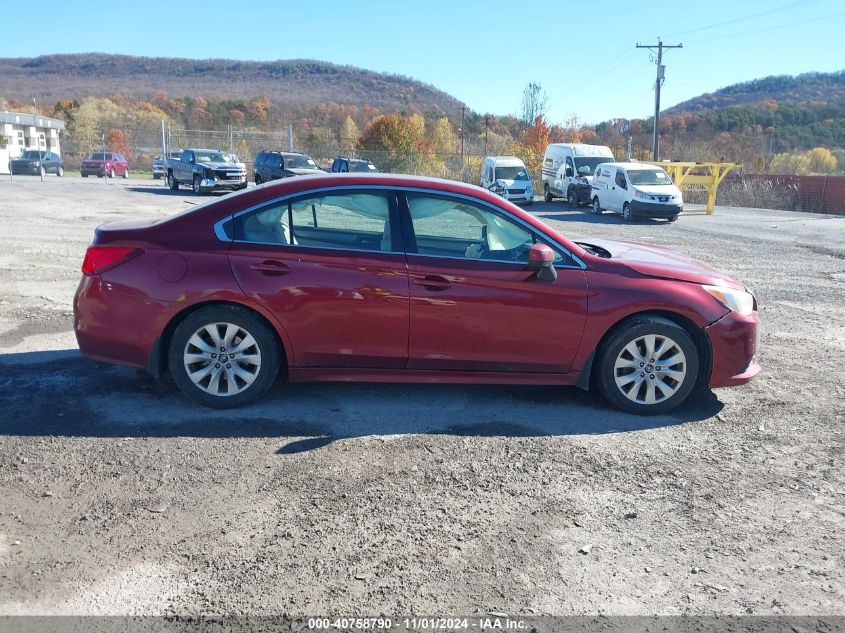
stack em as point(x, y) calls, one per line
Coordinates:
point(586, 165)
point(299, 162)
point(31, 154)
point(361, 166)
point(213, 157)
point(99, 156)
point(649, 177)
point(511, 173)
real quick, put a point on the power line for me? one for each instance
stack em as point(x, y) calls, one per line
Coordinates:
point(657, 83)
point(742, 19)
point(771, 28)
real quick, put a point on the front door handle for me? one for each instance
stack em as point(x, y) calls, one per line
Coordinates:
point(271, 267)
point(433, 282)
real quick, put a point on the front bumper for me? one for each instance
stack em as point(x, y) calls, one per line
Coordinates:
point(93, 170)
point(526, 196)
point(217, 184)
point(25, 168)
point(734, 340)
point(655, 209)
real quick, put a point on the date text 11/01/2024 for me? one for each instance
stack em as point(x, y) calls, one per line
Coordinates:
point(418, 624)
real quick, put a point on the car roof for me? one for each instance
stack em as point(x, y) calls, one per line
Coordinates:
point(507, 161)
point(633, 165)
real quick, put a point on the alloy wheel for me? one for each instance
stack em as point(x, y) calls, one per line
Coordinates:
point(650, 369)
point(222, 359)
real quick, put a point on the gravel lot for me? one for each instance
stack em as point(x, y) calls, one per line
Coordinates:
point(117, 496)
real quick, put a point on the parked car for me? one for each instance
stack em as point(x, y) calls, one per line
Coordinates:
point(398, 278)
point(342, 164)
point(568, 170)
point(37, 162)
point(159, 165)
point(271, 165)
point(636, 190)
point(101, 164)
point(206, 170)
point(507, 176)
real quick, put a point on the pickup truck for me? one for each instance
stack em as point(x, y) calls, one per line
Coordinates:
point(206, 170)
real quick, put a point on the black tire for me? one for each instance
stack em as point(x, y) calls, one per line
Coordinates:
point(156, 176)
point(257, 179)
point(266, 346)
point(60, 171)
point(196, 185)
point(572, 198)
point(85, 175)
point(172, 182)
point(111, 173)
point(597, 210)
point(673, 218)
point(626, 212)
point(629, 332)
point(547, 194)
point(126, 174)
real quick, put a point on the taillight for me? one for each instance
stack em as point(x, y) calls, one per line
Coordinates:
point(100, 258)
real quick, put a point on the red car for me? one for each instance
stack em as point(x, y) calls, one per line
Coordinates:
point(101, 164)
point(378, 277)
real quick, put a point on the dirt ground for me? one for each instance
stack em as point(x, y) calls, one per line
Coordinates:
point(118, 496)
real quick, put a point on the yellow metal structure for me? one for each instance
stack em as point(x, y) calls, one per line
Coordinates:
point(706, 175)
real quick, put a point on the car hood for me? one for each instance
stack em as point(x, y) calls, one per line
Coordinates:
point(659, 190)
point(656, 261)
point(511, 184)
point(222, 165)
point(301, 171)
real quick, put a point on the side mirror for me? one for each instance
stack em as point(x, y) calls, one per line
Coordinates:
point(569, 172)
point(542, 258)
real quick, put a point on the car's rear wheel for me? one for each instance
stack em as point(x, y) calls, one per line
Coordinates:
point(172, 182)
point(196, 185)
point(626, 212)
point(60, 171)
point(257, 179)
point(572, 199)
point(597, 206)
point(223, 357)
point(547, 193)
point(126, 174)
point(648, 366)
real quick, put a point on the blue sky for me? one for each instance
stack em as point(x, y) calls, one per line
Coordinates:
point(483, 53)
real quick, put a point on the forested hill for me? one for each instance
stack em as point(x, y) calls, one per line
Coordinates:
point(297, 83)
point(817, 88)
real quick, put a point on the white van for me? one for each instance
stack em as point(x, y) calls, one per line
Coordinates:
point(568, 170)
point(636, 190)
point(507, 177)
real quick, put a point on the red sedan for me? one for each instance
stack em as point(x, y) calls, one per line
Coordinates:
point(396, 278)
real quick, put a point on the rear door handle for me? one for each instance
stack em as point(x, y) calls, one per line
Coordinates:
point(271, 267)
point(433, 282)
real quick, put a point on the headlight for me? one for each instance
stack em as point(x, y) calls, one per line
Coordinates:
point(641, 195)
point(736, 300)
point(38, 163)
point(497, 188)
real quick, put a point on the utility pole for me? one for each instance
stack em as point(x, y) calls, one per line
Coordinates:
point(657, 83)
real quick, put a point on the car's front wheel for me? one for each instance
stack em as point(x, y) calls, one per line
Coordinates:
point(648, 366)
point(224, 356)
point(111, 172)
point(196, 185)
point(572, 199)
point(626, 212)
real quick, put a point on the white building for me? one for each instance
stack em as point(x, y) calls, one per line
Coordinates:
point(20, 131)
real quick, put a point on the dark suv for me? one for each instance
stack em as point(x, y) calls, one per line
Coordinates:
point(274, 165)
point(344, 164)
